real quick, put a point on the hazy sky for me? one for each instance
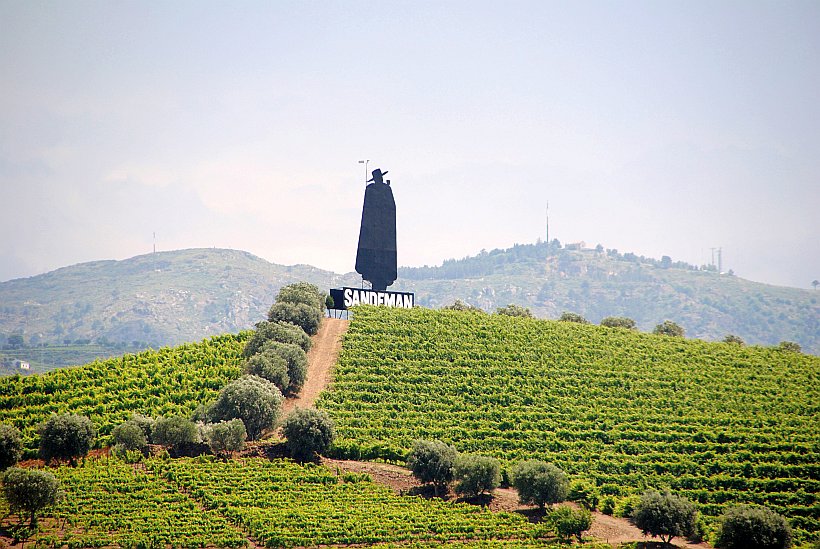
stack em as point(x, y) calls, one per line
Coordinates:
point(661, 128)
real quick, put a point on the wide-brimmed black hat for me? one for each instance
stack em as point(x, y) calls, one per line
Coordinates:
point(380, 174)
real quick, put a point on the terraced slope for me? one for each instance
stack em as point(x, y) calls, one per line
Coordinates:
point(717, 422)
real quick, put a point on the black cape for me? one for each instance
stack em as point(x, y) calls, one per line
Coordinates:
point(376, 255)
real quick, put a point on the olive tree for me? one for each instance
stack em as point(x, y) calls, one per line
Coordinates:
point(295, 359)
point(256, 401)
point(11, 446)
point(284, 332)
point(433, 461)
point(618, 322)
point(539, 483)
point(514, 310)
point(309, 432)
point(745, 527)
point(66, 436)
point(732, 338)
point(271, 366)
point(302, 292)
point(573, 317)
point(175, 432)
point(30, 491)
point(669, 328)
point(476, 475)
point(665, 515)
point(226, 437)
point(303, 315)
point(130, 436)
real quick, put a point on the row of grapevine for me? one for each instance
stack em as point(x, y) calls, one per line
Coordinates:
point(719, 423)
point(170, 381)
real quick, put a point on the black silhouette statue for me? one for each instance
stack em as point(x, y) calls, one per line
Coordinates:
point(376, 256)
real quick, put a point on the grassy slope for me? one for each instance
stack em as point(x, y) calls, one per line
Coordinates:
point(717, 422)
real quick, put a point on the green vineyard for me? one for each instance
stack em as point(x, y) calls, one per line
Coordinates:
point(716, 422)
point(165, 382)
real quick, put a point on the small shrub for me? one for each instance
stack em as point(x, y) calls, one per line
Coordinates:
point(731, 338)
point(618, 322)
point(665, 515)
point(283, 332)
point(668, 328)
point(745, 527)
point(573, 317)
point(625, 507)
point(226, 437)
point(584, 493)
point(568, 522)
point(608, 505)
point(539, 483)
point(11, 446)
point(66, 436)
point(514, 310)
point(476, 475)
point(309, 432)
point(305, 316)
point(788, 347)
point(256, 401)
point(130, 436)
point(433, 461)
point(30, 491)
point(459, 305)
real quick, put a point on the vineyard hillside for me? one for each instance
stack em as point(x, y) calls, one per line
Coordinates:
point(719, 423)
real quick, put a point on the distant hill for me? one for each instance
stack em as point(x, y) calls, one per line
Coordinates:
point(104, 308)
point(597, 283)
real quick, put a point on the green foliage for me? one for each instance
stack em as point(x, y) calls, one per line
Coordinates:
point(665, 515)
point(573, 317)
point(30, 491)
point(568, 522)
point(745, 527)
point(476, 475)
point(432, 461)
point(625, 507)
point(130, 436)
point(539, 483)
point(668, 328)
point(514, 310)
point(226, 437)
point(309, 433)
point(302, 292)
point(284, 332)
point(305, 316)
point(269, 365)
point(789, 347)
point(608, 505)
point(11, 446)
point(256, 401)
point(583, 493)
point(618, 322)
point(720, 424)
point(66, 436)
point(459, 305)
point(175, 431)
point(731, 338)
point(295, 359)
point(170, 381)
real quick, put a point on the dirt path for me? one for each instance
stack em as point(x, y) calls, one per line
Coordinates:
point(612, 530)
point(321, 358)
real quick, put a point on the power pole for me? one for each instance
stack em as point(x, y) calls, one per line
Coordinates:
point(720, 260)
point(548, 223)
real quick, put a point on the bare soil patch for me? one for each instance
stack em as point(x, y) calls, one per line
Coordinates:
point(322, 356)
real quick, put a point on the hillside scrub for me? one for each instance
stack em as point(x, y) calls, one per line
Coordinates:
point(514, 310)
point(669, 328)
point(619, 322)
